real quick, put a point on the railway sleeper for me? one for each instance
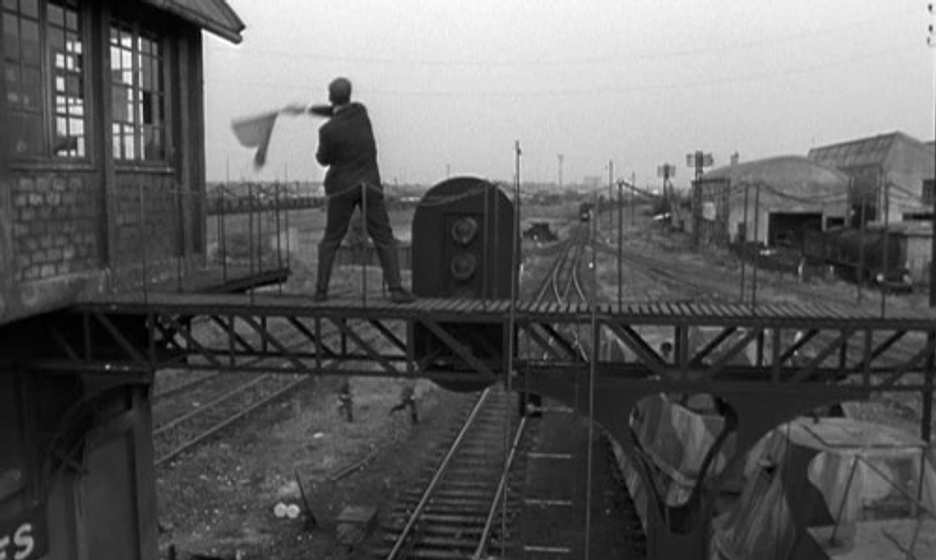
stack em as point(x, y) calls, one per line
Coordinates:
point(462, 510)
point(477, 502)
point(456, 542)
point(447, 491)
point(473, 472)
point(476, 484)
point(433, 555)
point(476, 520)
point(396, 525)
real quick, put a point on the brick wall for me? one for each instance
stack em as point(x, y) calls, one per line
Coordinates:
point(55, 225)
point(157, 239)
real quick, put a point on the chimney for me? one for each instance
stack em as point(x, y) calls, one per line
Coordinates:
point(735, 158)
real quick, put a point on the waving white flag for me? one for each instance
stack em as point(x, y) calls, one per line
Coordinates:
point(255, 132)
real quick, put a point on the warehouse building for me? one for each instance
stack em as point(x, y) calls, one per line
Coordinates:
point(892, 173)
point(770, 201)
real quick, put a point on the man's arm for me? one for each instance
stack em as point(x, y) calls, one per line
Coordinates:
point(314, 109)
point(322, 110)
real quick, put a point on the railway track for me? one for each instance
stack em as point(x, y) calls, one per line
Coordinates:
point(690, 282)
point(190, 430)
point(562, 282)
point(590, 494)
point(167, 390)
point(468, 505)
point(191, 413)
point(463, 507)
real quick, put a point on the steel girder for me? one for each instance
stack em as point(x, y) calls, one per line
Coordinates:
point(770, 347)
point(752, 350)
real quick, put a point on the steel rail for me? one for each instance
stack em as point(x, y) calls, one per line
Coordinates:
point(573, 281)
point(181, 387)
point(501, 491)
point(576, 283)
point(901, 350)
point(175, 421)
point(552, 277)
point(231, 419)
point(166, 426)
point(228, 421)
point(437, 477)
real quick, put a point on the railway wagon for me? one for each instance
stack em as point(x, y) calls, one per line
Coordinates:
point(862, 256)
point(464, 246)
point(102, 180)
point(586, 211)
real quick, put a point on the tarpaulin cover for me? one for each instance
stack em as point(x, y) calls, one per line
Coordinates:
point(675, 440)
point(836, 473)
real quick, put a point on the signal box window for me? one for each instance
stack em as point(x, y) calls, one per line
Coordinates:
point(138, 92)
point(66, 52)
point(22, 75)
point(26, 23)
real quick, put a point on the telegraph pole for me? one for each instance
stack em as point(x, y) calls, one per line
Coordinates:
point(610, 192)
point(666, 171)
point(931, 41)
point(926, 421)
point(633, 202)
point(699, 161)
point(560, 157)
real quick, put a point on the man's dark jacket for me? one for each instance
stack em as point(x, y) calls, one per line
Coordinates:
point(346, 145)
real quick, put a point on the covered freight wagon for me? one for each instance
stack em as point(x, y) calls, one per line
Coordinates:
point(871, 255)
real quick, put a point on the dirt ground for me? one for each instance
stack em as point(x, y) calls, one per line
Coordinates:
point(221, 497)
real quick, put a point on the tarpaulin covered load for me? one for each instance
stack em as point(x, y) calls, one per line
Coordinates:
point(675, 440)
point(811, 479)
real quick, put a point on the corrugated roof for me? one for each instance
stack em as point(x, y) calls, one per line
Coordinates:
point(862, 152)
point(212, 15)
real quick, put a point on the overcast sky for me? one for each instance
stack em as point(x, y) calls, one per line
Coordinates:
point(451, 85)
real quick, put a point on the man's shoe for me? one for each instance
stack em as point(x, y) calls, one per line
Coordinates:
point(399, 295)
point(320, 296)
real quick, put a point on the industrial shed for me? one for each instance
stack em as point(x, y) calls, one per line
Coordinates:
point(784, 196)
point(892, 172)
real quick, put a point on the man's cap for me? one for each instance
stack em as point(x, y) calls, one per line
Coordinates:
point(339, 91)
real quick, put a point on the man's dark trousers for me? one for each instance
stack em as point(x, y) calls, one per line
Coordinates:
point(341, 206)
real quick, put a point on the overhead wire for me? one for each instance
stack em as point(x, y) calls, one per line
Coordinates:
point(593, 90)
point(686, 52)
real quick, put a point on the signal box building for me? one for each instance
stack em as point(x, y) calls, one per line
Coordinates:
point(892, 173)
point(784, 196)
point(102, 177)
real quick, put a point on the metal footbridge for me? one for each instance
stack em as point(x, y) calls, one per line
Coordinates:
point(768, 364)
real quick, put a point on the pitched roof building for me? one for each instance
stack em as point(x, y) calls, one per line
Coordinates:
point(212, 15)
point(891, 172)
point(785, 196)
